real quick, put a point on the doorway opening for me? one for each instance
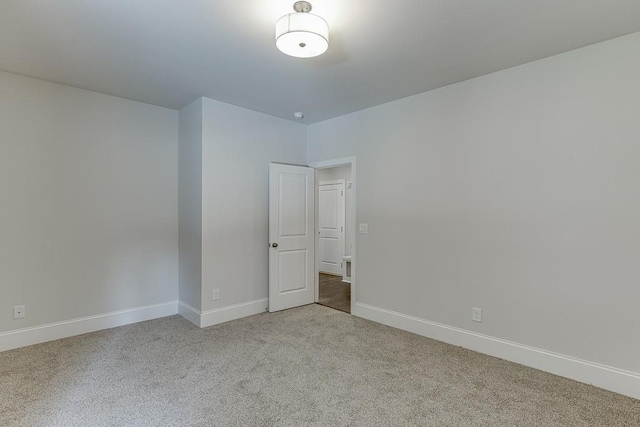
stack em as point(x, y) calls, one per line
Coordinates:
point(295, 259)
point(335, 237)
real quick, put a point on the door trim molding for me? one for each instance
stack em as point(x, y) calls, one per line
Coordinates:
point(333, 182)
point(343, 161)
point(325, 164)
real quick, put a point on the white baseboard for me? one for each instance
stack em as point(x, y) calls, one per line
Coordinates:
point(232, 312)
point(328, 273)
point(207, 318)
point(189, 313)
point(68, 328)
point(606, 377)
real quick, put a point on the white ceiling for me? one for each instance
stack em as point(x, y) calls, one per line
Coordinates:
point(170, 52)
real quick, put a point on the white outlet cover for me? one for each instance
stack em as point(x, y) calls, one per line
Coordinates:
point(216, 294)
point(18, 312)
point(476, 314)
point(364, 228)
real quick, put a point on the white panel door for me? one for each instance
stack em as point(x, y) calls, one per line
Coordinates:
point(291, 236)
point(331, 216)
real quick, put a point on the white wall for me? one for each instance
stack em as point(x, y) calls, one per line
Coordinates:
point(516, 192)
point(339, 172)
point(190, 204)
point(344, 173)
point(89, 208)
point(237, 147)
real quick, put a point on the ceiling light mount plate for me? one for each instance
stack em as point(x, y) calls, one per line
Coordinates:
point(302, 7)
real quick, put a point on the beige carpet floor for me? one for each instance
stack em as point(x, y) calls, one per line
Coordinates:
point(306, 366)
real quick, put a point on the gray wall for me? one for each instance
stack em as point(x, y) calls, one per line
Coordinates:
point(237, 147)
point(89, 208)
point(190, 197)
point(516, 192)
point(340, 172)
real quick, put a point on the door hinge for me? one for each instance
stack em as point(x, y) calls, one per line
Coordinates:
point(342, 193)
point(341, 228)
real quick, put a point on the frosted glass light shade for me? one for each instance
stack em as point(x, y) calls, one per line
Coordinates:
point(302, 35)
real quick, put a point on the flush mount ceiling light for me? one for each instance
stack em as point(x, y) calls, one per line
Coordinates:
point(302, 34)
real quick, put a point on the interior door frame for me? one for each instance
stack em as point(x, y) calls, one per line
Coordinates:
point(345, 161)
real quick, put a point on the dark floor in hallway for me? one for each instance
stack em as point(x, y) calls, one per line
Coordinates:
point(335, 293)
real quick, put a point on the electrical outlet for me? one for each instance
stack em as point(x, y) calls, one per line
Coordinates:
point(364, 228)
point(216, 294)
point(476, 314)
point(18, 312)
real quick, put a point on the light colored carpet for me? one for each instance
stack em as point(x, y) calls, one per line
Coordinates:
point(306, 366)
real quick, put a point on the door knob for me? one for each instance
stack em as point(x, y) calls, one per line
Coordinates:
point(274, 245)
